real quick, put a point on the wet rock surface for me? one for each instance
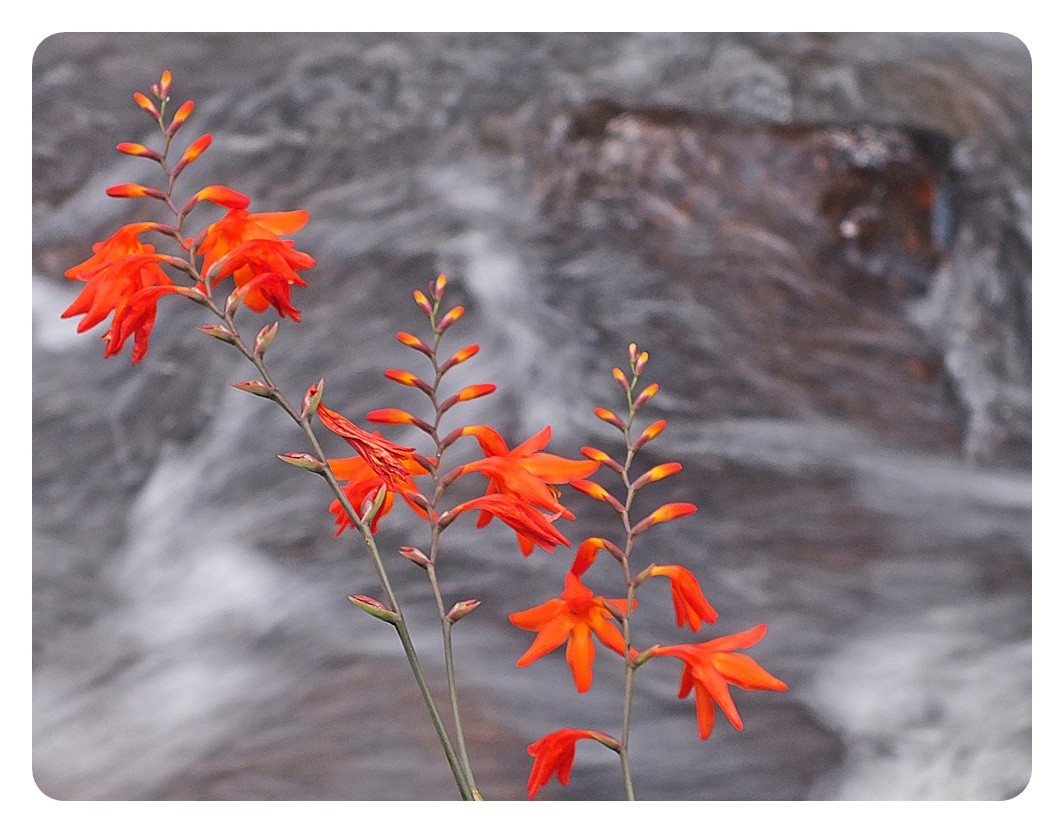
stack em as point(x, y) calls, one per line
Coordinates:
point(824, 243)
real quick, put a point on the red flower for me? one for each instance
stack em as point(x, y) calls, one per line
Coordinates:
point(554, 755)
point(710, 667)
point(120, 268)
point(363, 485)
point(524, 473)
point(533, 528)
point(687, 599)
point(388, 460)
point(251, 248)
point(574, 617)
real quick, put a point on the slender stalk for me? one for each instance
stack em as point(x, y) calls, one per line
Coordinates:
point(304, 423)
point(629, 669)
point(445, 624)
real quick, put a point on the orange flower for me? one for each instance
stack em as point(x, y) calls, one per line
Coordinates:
point(710, 667)
point(533, 528)
point(120, 268)
point(554, 754)
point(388, 460)
point(524, 473)
point(574, 617)
point(251, 248)
point(364, 484)
point(687, 599)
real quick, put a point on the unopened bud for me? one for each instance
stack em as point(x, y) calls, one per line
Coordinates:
point(615, 611)
point(183, 112)
point(415, 555)
point(610, 417)
point(191, 293)
point(376, 609)
point(422, 301)
point(645, 396)
point(164, 84)
point(633, 353)
point(414, 342)
point(303, 461)
point(459, 357)
point(265, 338)
point(218, 332)
point(257, 388)
point(622, 380)
point(131, 190)
point(657, 473)
point(650, 433)
point(601, 457)
point(438, 286)
point(311, 399)
point(372, 505)
point(641, 362)
point(146, 105)
point(462, 609)
point(449, 319)
point(134, 149)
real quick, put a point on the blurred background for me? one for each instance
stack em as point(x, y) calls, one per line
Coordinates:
point(822, 240)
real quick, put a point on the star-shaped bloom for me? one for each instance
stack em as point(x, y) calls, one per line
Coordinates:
point(524, 472)
point(574, 617)
point(710, 667)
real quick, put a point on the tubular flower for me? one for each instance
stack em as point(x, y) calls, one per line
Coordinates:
point(554, 754)
point(533, 528)
point(525, 472)
point(249, 247)
point(573, 617)
point(388, 460)
point(687, 599)
point(710, 667)
point(363, 485)
point(119, 269)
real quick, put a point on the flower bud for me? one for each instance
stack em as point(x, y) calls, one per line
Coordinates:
point(164, 84)
point(449, 319)
point(461, 609)
point(650, 433)
point(405, 377)
point(438, 286)
point(397, 416)
point(657, 473)
point(256, 387)
point(459, 357)
point(648, 654)
point(615, 611)
point(415, 555)
point(414, 342)
point(668, 512)
point(633, 353)
point(601, 457)
point(372, 505)
point(594, 490)
point(219, 332)
point(146, 105)
point(466, 394)
point(641, 362)
point(131, 190)
point(610, 417)
point(183, 112)
point(422, 301)
point(133, 149)
point(311, 399)
point(645, 396)
point(265, 338)
point(376, 609)
point(303, 461)
point(622, 380)
point(192, 293)
point(192, 153)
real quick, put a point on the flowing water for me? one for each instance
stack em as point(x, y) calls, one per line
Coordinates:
point(822, 240)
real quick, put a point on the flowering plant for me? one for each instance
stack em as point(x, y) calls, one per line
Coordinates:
point(244, 260)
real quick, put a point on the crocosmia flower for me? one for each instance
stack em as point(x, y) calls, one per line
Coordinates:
point(120, 268)
point(690, 605)
point(710, 667)
point(533, 528)
point(525, 472)
point(388, 460)
point(554, 755)
point(573, 617)
point(363, 484)
point(250, 248)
